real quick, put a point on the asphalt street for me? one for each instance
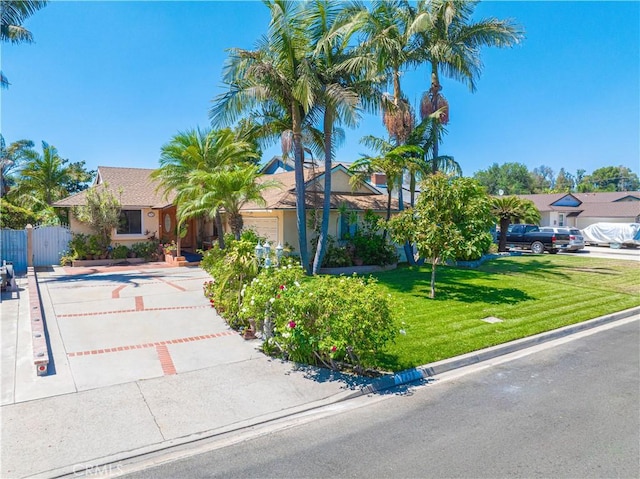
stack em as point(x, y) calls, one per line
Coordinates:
point(566, 411)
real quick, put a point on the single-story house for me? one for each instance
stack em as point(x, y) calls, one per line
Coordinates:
point(277, 219)
point(146, 211)
point(583, 209)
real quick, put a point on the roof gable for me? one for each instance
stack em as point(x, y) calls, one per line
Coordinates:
point(567, 200)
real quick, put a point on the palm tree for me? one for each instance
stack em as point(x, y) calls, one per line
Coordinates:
point(339, 95)
point(42, 179)
point(199, 152)
point(386, 48)
point(226, 188)
point(391, 161)
point(11, 159)
point(509, 209)
point(13, 13)
point(276, 76)
point(450, 41)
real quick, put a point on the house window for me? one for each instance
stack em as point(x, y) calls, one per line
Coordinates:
point(130, 222)
point(561, 219)
point(348, 225)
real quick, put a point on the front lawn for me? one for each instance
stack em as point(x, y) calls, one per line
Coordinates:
point(531, 294)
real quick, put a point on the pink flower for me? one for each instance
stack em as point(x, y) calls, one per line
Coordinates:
point(292, 324)
point(282, 287)
point(333, 349)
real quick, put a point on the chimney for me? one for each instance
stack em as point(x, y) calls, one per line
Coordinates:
point(379, 179)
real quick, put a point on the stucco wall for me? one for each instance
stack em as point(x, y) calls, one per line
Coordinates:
point(149, 224)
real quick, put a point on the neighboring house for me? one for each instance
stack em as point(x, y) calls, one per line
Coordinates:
point(277, 219)
point(145, 210)
point(583, 209)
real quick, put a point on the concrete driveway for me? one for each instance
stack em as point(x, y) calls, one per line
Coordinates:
point(120, 325)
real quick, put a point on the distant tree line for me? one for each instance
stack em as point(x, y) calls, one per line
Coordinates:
point(516, 179)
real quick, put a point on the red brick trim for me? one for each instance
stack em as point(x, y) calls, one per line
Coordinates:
point(115, 294)
point(152, 345)
point(118, 311)
point(166, 362)
point(139, 303)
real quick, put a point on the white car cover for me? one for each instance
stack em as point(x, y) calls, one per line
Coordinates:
point(607, 233)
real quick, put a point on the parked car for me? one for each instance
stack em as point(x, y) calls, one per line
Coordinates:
point(526, 236)
point(576, 240)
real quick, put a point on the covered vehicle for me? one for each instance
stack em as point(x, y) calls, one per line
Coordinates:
point(625, 234)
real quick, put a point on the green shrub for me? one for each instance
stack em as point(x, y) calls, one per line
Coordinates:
point(324, 320)
point(230, 268)
point(335, 256)
point(146, 249)
point(79, 246)
point(120, 251)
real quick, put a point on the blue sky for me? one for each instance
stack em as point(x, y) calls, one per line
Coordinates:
point(111, 82)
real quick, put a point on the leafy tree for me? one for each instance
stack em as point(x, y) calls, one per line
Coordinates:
point(79, 177)
point(101, 213)
point(452, 218)
point(564, 182)
point(613, 178)
point(508, 209)
point(511, 178)
point(542, 179)
point(13, 14)
point(14, 217)
point(12, 157)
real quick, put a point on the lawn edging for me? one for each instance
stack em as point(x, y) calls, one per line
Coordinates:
point(428, 370)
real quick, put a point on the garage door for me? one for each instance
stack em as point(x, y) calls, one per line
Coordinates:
point(265, 227)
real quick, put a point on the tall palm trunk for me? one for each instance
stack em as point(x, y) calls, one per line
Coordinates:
point(504, 226)
point(326, 203)
point(236, 223)
point(301, 215)
point(219, 227)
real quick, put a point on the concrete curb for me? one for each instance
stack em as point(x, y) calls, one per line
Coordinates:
point(428, 370)
point(41, 353)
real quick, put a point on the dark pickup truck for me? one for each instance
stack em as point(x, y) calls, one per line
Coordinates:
point(530, 237)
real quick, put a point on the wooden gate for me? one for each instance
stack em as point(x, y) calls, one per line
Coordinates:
point(49, 244)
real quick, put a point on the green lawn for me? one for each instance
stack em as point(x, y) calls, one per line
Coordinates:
point(531, 294)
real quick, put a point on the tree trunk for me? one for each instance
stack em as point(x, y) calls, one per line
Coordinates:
point(434, 263)
point(236, 223)
point(301, 215)
point(435, 95)
point(326, 204)
point(219, 227)
point(504, 226)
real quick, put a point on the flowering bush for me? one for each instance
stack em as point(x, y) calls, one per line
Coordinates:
point(324, 320)
point(169, 247)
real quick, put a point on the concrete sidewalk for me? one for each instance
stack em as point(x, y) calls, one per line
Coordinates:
point(76, 431)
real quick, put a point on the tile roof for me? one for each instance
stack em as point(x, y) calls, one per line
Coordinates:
point(132, 186)
point(284, 196)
